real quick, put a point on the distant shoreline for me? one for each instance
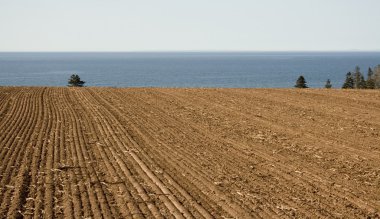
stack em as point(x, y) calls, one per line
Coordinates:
point(205, 51)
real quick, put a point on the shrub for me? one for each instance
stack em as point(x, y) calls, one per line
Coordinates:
point(75, 81)
point(328, 84)
point(301, 82)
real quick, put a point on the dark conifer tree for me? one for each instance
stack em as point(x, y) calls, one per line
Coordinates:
point(370, 73)
point(376, 76)
point(75, 81)
point(328, 84)
point(301, 82)
point(349, 83)
point(357, 77)
point(370, 83)
point(362, 84)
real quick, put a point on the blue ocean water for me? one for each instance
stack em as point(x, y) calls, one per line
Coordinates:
point(183, 69)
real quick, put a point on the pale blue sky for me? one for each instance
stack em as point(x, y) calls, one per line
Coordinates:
point(177, 25)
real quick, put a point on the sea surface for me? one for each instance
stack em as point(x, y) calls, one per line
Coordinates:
point(183, 69)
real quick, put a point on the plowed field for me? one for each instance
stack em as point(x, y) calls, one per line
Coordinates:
point(189, 153)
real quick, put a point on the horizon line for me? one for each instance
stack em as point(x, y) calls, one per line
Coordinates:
point(186, 51)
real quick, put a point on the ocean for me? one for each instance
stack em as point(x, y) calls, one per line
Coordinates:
point(183, 69)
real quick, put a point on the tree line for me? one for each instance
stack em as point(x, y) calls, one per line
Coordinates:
point(354, 80)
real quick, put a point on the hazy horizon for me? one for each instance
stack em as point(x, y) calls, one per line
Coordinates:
point(204, 51)
point(196, 26)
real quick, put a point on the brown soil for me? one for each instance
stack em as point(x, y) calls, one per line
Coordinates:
point(189, 153)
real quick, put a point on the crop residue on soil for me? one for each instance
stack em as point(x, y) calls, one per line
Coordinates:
point(189, 153)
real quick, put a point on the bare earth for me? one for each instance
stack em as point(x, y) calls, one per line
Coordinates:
point(189, 153)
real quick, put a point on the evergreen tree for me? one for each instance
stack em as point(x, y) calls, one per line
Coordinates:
point(349, 83)
point(376, 76)
point(301, 82)
point(357, 77)
point(328, 84)
point(75, 81)
point(370, 83)
point(370, 73)
point(362, 84)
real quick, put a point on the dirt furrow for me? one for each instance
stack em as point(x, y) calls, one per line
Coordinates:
point(12, 124)
point(261, 149)
point(123, 196)
point(189, 153)
point(167, 201)
point(17, 178)
point(209, 185)
point(216, 140)
point(213, 188)
point(82, 165)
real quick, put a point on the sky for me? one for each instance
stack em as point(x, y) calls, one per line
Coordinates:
point(189, 25)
